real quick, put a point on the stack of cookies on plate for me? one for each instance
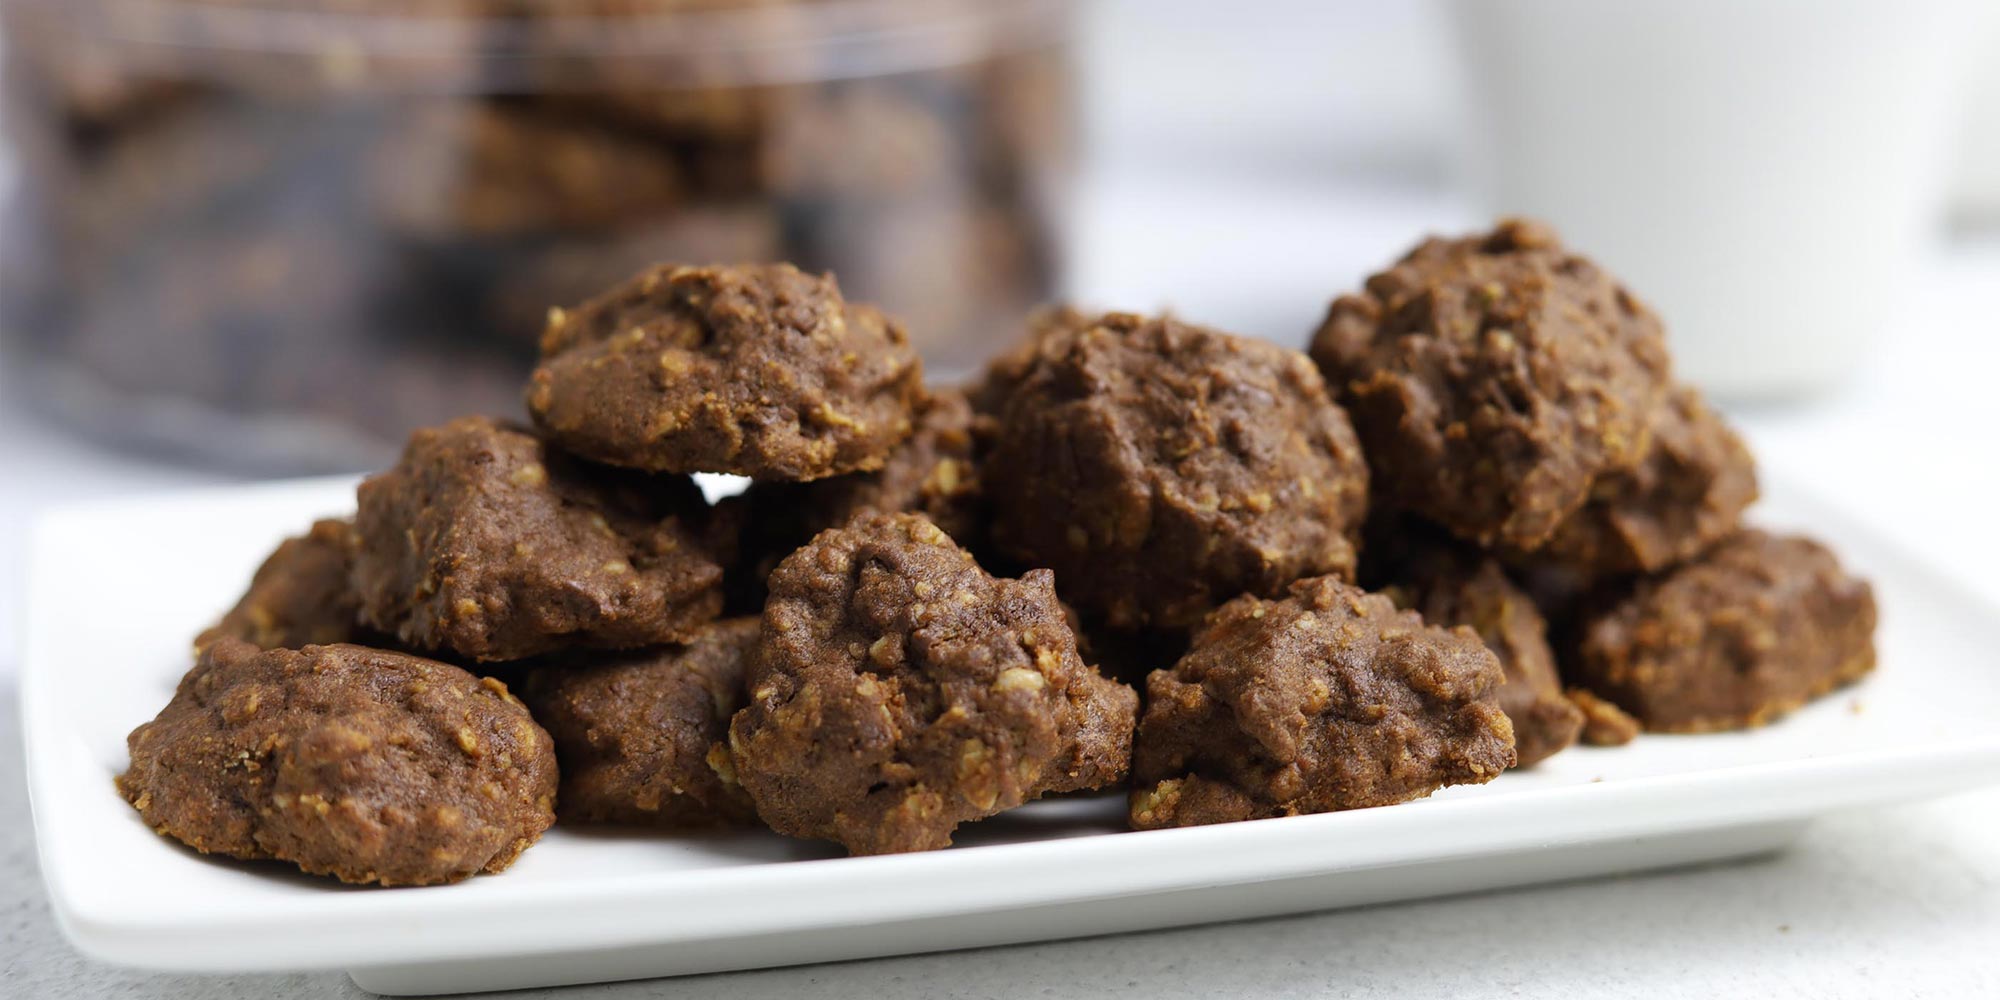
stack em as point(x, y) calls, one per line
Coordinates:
point(1519, 412)
point(1125, 557)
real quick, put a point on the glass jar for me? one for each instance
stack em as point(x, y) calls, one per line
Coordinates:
point(285, 232)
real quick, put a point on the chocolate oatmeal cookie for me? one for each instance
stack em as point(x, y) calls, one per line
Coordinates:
point(1450, 585)
point(299, 596)
point(485, 542)
point(1756, 627)
point(640, 734)
point(358, 763)
point(1688, 492)
point(934, 473)
point(1493, 379)
point(1161, 468)
point(1327, 699)
point(900, 690)
point(760, 370)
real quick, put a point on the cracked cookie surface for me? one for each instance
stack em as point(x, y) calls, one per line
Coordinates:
point(362, 764)
point(758, 370)
point(1327, 699)
point(640, 734)
point(1450, 584)
point(485, 542)
point(1161, 468)
point(1493, 379)
point(1687, 493)
point(900, 690)
point(1753, 629)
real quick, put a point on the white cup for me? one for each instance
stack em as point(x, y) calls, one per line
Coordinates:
point(1976, 186)
point(1765, 172)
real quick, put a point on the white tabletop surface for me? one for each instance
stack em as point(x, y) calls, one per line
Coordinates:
point(1902, 902)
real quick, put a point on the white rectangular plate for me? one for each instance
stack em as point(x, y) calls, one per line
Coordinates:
point(116, 590)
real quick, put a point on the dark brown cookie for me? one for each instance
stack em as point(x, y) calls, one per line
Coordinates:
point(1450, 585)
point(934, 473)
point(1756, 627)
point(900, 690)
point(485, 542)
point(1493, 379)
point(640, 734)
point(760, 370)
point(1162, 468)
point(363, 764)
point(299, 596)
point(1327, 699)
point(1689, 491)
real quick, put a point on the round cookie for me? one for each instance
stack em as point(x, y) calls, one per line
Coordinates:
point(759, 370)
point(299, 596)
point(934, 473)
point(358, 763)
point(1450, 585)
point(485, 542)
point(1327, 699)
point(1161, 468)
point(1688, 492)
point(1754, 628)
point(640, 735)
point(900, 690)
point(1493, 379)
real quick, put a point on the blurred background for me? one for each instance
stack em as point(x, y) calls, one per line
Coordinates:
point(253, 238)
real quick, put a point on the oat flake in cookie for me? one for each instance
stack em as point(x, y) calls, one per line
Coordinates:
point(640, 734)
point(299, 596)
point(1493, 379)
point(1327, 699)
point(759, 370)
point(900, 690)
point(1161, 468)
point(485, 542)
point(1754, 628)
point(358, 763)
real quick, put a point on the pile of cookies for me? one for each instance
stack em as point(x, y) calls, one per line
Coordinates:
point(1131, 555)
